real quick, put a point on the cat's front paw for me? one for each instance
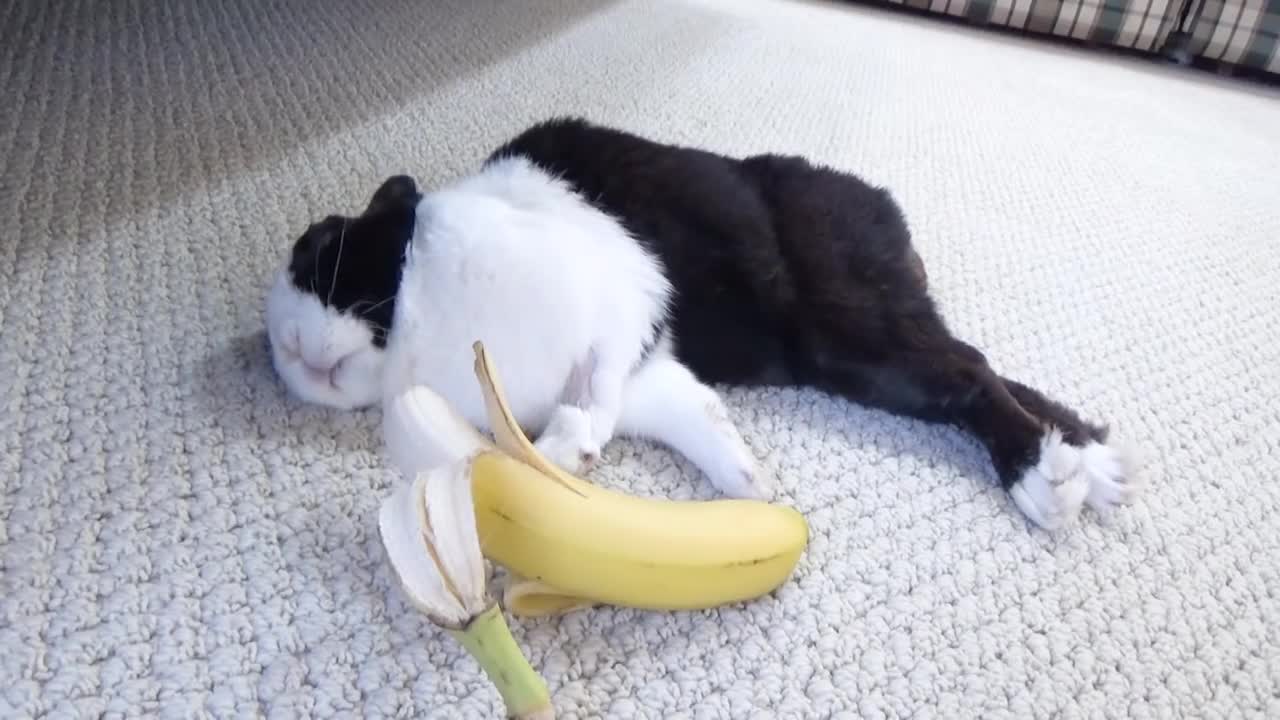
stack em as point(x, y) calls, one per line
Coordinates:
point(724, 456)
point(567, 441)
point(736, 474)
point(568, 455)
point(745, 483)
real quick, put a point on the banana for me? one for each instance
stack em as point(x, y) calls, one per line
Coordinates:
point(429, 534)
point(569, 543)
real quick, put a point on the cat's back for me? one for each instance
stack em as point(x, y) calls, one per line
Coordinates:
point(757, 247)
point(695, 209)
point(632, 177)
point(514, 211)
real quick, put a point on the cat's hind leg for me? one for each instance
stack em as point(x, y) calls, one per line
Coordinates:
point(1110, 469)
point(947, 381)
point(663, 401)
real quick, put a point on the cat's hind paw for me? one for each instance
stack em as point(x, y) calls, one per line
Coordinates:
point(1053, 490)
point(1113, 476)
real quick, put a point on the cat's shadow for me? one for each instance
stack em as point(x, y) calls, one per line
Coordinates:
point(240, 391)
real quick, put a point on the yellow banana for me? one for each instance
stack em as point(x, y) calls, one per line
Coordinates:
point(570, 543)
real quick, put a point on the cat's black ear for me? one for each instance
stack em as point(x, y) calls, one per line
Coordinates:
point(398, 191)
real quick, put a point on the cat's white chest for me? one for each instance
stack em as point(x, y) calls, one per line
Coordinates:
point(534, 325)
point(532, 377)
point(513, 260)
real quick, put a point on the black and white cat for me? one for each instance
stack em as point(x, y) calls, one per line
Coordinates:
point(615, 279)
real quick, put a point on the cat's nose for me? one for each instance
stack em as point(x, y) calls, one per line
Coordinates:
point(318, 373)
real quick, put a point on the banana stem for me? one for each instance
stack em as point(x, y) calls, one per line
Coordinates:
point(488, 638)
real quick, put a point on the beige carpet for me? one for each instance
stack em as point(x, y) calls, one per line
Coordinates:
point(179, 539)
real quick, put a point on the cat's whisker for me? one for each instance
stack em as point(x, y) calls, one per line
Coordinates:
point(337, 263)
point(380, 303)
point(315, 272)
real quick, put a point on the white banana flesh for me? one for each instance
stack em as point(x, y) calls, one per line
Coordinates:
point(428, 529)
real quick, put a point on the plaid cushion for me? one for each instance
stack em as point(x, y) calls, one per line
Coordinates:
point(1240, 32)
point(1140, 24)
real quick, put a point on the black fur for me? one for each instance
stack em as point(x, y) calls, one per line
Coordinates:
point(353, 263)
point(791, 273)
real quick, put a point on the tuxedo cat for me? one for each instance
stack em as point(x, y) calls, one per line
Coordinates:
point(616, 279)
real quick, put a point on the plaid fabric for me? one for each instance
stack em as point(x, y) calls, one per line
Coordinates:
point(1239, 32)
point(1139, 24)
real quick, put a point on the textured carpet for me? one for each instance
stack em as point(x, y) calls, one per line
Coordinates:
point(180, 539)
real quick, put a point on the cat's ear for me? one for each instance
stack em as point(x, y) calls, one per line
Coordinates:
point(398, 191)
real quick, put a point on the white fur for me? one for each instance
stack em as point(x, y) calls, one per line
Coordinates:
point(1066, 477)
point(324, 357)
point(1052, 491)
point(563, 300)
point(1112, 474)
point(664, 401)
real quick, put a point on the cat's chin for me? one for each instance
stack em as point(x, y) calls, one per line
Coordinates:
point(353, 384)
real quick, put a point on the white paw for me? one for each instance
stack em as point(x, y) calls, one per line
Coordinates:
point(567, 442)
point(747, 483)
point(1112, 476)
point(1052, 491)
point(736, 474)
point(569, 454)
point(725, 457)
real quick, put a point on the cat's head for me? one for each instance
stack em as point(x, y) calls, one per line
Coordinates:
point(332, 303)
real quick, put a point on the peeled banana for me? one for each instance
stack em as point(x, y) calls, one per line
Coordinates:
point(569, 543)
point(429, 533)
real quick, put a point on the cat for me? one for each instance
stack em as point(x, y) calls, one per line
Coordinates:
point(617, 279)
